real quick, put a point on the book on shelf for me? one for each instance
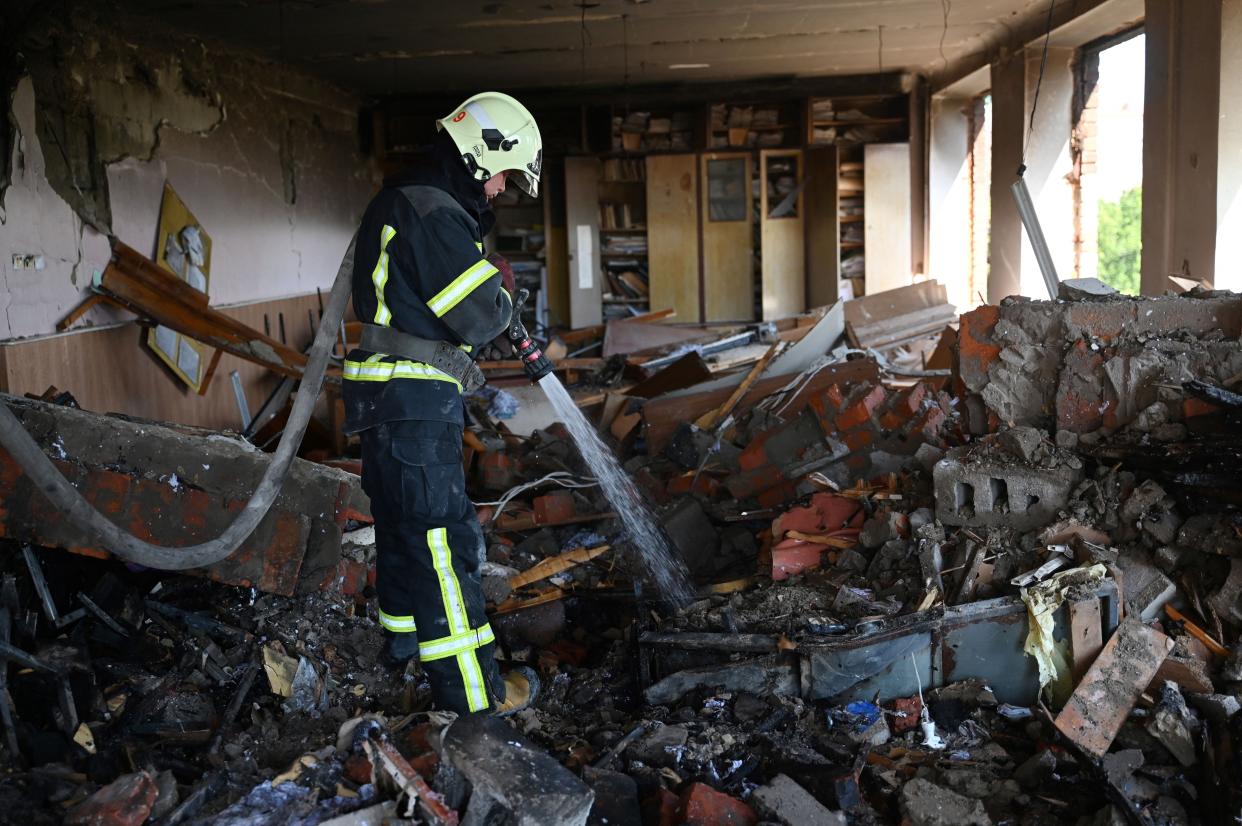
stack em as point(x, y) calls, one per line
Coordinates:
point(616, 216)
point(624, 169)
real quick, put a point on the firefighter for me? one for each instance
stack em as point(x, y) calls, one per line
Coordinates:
point(429, 298)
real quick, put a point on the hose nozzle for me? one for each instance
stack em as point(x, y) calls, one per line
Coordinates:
point(534, 362)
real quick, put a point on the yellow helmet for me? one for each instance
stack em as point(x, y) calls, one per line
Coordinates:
point(495, 133)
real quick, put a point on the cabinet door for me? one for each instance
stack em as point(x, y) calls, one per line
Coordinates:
point(822, 227)
point(886, 176)
point(782, 244)
point(728, 236)
point(582, 224)
point(673, 235)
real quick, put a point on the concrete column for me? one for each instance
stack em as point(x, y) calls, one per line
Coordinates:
point(1180, 138)
point(1229, 171)
point(1048, 165)
point(949, 196)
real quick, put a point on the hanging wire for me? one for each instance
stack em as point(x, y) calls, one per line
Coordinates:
point(625, 57)
point(945, 6)
point(1043, 62)
point(584, 35)
point(880, 47)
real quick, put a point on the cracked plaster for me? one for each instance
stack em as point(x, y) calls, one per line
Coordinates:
point(273, 172)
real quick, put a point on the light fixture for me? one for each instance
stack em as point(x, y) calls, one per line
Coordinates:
point(689, 65)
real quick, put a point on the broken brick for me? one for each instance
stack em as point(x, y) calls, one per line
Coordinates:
point(904, 406)
point(1112, 685)
point(859, 439)
point(792, 557)
point(660, 808)
point(126, 801)
point(1198, 407)
point(976, 352)
point(554, 507)
point(904, 714)
point(701, 805)
point(859, 412)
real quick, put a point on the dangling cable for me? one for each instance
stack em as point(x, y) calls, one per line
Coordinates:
point(1043, 62)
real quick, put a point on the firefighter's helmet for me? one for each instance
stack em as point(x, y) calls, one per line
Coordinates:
point(495, 133)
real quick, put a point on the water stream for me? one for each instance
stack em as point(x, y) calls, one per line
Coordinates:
point(661, 562)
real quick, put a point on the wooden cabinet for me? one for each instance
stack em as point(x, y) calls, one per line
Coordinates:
point(673, 234)
point(728, 233)
point(823, 238)
point(886, 169)
point(782, 240)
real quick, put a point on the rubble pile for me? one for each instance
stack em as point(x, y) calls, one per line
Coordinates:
point(1008, 594)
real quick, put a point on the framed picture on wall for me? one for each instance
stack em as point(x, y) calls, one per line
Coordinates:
point(183, 248)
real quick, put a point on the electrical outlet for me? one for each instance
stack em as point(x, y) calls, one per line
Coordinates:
point(27, 262)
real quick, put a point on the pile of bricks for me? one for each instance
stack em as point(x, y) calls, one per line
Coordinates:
point(1082, 366)
point(845, 433)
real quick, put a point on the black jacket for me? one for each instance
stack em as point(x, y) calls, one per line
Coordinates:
point(419, 267)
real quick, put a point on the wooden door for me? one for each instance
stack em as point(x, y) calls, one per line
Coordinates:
point(782, 244)
point(822, 227)
point(886, 205)
point(582, 226)
point(673, 235)
point(728, 235)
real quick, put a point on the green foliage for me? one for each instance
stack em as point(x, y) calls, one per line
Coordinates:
point(1120, 241)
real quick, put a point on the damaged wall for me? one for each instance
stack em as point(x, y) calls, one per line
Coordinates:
point(268, 161)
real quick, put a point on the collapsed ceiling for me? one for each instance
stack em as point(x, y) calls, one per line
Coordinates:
point(397, 47)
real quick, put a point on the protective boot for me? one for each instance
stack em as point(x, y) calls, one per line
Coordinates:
point(521, 691)
point(398, 650)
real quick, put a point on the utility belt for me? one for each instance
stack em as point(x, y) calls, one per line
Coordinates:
point(438, 354)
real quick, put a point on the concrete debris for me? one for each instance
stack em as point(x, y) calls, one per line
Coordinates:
point(860, 547)
point(927, 804)
point(512, 781)
point(784, 801)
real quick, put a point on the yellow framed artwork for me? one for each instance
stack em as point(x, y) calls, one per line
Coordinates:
point(183, 248)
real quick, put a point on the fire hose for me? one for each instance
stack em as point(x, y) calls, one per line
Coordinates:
point(61, 493)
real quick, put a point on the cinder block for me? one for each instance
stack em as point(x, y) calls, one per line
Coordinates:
point(982, 490)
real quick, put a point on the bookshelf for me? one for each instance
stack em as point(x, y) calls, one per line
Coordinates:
point(623, 236)
point(653, 131)
point(519, 235)
point(768, 125)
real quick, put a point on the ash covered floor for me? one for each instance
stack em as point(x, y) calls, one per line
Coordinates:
point(1007, 595)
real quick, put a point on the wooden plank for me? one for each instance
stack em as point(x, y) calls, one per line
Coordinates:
point(626, 336)
point(886, 173)
point(687, 371)
point(890, 303)
point(728, 244)
point(822, 226)
point(1112, 685)
point(902, 328)
point(134, 282)
point(77, 312)
point(108, 370)
point(658, 315)
point(782, 241)
point(554, 565)
point(210, 374)
point(709, 420)
point(672, 233)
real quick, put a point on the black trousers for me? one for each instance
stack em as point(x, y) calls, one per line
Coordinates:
point(429, 547)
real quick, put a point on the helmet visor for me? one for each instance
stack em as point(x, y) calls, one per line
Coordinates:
point(525, 181)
